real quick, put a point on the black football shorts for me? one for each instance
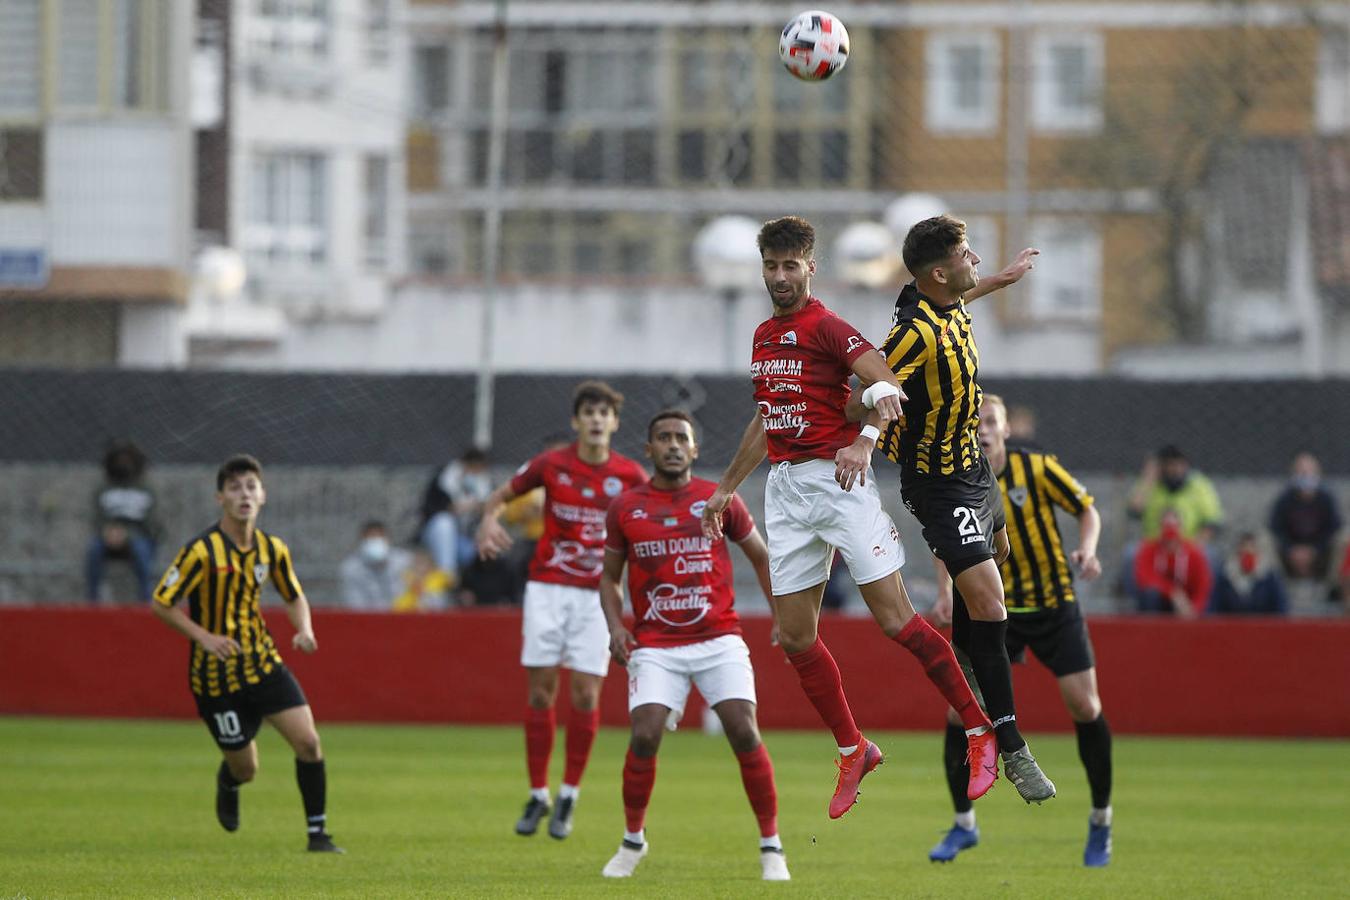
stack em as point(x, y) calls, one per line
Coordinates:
point(234, 718)
point(960, 513)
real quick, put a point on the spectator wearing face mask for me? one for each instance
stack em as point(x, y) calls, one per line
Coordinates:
point(372, 576)
point(1171, 573)
point(1248, 584)
point(1169, 483)
point(1304, 520)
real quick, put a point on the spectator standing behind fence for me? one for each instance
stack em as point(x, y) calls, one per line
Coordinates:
point(1248, 583)
point(1168, 482)
point(1172, 573)
point(1304, 520)
point(451, 508)
point(124, 525)
point(372, 575)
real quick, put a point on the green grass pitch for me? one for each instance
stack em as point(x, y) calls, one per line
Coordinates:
point(124, 809)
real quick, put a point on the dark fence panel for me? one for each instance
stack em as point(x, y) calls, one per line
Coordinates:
point(1095, 424)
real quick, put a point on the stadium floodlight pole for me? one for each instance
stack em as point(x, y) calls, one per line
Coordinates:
point(492, 232)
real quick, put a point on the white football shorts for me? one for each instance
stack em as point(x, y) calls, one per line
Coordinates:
point(720, 668)
point(564, 626)
point(807, 515)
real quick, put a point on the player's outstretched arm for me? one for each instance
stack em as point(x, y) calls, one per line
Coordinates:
point(220, 646)
point(492, 538)
point(1010, 274)
point(1084, 559)
point(621, 640)
point(749, 454)
point(298, 612)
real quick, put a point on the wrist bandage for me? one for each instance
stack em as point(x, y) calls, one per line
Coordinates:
point(871, 432)
point(878, 390)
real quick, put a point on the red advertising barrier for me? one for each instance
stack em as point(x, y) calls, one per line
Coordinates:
point(1157, 676)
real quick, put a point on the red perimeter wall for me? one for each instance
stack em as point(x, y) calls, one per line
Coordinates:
point(1233, 677)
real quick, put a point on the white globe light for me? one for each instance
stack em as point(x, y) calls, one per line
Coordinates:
point(221, 272)
point(867, 254)
point(726, 254)
point(910, 209)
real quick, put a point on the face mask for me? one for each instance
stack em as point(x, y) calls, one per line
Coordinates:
point(1306, 482)
point(1247, 561)
point(1173, 482)
point(375, 550)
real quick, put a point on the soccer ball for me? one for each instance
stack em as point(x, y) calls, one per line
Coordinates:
point(814, 45)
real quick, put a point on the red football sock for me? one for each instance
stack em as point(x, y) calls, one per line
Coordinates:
point(935, 654)
point(639, 774)
point(821, 682)
point(539, 727)
point(757, 776)
point(581, 728)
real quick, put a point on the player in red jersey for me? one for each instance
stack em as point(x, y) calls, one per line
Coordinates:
point(563, 624)
point(819, 497)
point(686, 631)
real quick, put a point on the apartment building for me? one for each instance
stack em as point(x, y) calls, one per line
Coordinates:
point(95, 185)
point(1176, 163)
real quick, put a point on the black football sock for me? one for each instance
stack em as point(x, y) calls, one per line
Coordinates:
point(993, 672)
point(226, 777)
point(313, 793)
point(1094, 749)
point(957, 768)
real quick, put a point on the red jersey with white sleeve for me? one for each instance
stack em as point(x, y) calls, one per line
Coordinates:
point(800, 365)
point(576, 495)
point(680, 583)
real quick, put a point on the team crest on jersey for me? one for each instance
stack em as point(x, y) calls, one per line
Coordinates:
point(259, 572)
point(1018, 496)
point(696, 508)
point(613, 486)
point(789, 337)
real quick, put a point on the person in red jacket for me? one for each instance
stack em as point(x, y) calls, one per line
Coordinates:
point(1172, 574)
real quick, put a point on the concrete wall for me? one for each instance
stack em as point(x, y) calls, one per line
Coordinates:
point(318, 510)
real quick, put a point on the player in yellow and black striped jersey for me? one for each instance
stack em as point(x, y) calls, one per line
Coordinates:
point(234, 669)
point(945, 481)
point(1043, 614)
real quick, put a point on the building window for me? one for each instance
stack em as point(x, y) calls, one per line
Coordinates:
point(379, 31)
point(1067, 82)
point(1067, 285)
point(431, 80)
point(290, 28)
point(429, 247)
point(20, 59)
point(376, 189)
point(20, 164)
point(1333, 81)
point(126, 71)
point(287, 210)
point(962, 89)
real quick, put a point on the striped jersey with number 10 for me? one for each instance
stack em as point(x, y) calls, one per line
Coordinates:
point(1036, 574)
point(223, 585)
point(932, 352)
